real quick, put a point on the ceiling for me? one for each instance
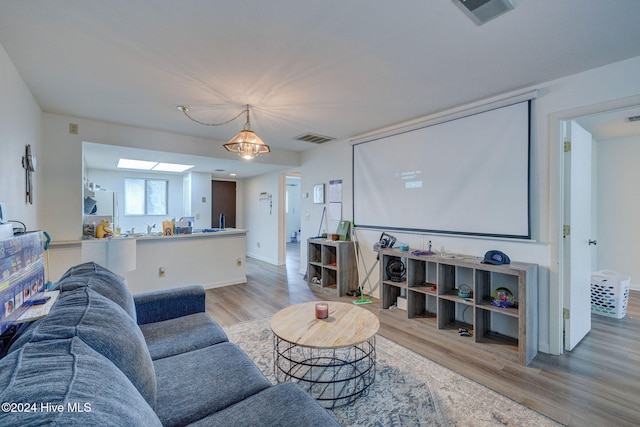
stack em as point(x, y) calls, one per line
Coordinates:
point(335, 68)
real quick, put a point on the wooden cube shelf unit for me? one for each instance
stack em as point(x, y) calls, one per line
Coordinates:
point(431, 284)
point(332, 265)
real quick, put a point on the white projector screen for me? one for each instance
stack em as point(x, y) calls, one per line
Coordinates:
point(466, 176)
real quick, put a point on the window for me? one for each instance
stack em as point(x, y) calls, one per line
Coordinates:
point(145, 196)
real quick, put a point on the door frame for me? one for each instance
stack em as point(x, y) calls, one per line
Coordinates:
point(556, 210)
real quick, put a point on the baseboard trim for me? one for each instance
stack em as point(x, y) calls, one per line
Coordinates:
point(222, 284)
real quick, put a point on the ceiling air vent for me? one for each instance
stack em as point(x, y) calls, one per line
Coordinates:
point(312, 137)
point(481, 11)
point(633, 119)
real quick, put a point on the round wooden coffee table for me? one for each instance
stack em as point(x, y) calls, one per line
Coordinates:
point(333, 359)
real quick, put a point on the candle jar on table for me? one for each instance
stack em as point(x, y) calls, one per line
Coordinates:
point(322, 310)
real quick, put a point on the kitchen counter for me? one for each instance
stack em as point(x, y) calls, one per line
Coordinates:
point(154, 262)
point(153, 236)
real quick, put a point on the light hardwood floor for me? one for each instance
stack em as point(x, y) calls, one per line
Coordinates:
point(597, 384)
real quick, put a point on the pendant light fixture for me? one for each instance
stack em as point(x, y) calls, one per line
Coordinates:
point(246, 143)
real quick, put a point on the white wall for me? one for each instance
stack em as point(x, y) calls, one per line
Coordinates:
point(619, 236)
point(261, 220)
point(212, 260)
point(20, 124)
point(319, 166)
point(564, 98)
point(199, 190)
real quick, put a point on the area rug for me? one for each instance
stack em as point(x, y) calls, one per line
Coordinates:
point(409, 389)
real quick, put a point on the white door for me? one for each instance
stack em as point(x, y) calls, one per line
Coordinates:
point(577, 250)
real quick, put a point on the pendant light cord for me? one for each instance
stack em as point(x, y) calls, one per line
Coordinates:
point(185, 110)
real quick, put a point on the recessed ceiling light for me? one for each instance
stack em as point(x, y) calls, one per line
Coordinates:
point(135, 164)
point(171, 167)
point(233, 174)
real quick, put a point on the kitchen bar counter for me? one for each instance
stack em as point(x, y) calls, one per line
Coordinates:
point(210, 259)
point(153, 236)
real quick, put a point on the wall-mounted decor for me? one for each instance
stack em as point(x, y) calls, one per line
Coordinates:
point(264, 197)
point(318, 193)
point(29, 164)
point(335, 191)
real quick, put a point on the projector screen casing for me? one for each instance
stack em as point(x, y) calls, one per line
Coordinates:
point(467, 176)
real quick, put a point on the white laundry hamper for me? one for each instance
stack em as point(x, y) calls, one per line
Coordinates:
point(609, 293)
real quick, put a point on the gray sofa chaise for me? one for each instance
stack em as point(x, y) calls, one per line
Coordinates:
point(105, 357)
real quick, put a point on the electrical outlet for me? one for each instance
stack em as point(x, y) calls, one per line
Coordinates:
point(238, 262)
point(204, 199)
point(161, 272)
point(258, 244)
point(73, 128)
point(197, 216)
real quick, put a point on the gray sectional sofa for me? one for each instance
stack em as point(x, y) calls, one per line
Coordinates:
point(105, 357)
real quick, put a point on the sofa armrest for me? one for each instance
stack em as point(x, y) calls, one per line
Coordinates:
point(168, 304)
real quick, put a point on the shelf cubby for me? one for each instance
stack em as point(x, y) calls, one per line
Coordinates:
point(390, 293)
point(314, 253)
point(333, 263)
point(431, 286)
point(421, 304)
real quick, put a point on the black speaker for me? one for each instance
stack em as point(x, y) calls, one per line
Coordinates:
point(481, 11)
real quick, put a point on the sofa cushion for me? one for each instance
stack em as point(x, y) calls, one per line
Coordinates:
point(67, 372)
point(101, 280)
point(182, 334)
point(283, 405)
point(196, 384)
point(105, 327)
point(165, 304)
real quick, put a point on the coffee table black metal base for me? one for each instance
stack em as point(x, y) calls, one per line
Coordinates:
point(334, 377)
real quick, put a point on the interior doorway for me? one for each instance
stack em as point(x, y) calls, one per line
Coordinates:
point(292, 209)
point(611, 226)
point(223, 202)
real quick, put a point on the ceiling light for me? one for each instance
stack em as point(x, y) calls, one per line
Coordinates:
point(246, 143)
point(136, 164)
point(171, 167)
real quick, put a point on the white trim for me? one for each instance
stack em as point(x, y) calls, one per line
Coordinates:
point(447, 115)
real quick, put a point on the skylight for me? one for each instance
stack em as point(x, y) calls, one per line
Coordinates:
point(135, 164)
point(155, 166)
